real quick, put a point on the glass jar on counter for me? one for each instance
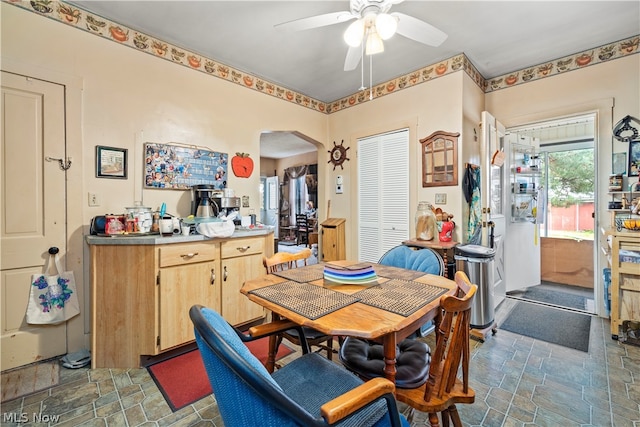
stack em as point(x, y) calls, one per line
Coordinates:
point(426, 224)
point(139, 219)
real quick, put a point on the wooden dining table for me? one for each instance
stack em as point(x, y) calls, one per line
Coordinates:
point(387, 311)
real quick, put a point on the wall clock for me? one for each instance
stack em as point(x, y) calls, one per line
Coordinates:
point(338, 154)
point(242, 165)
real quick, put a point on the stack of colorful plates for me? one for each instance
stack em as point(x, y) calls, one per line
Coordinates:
point(356, 275)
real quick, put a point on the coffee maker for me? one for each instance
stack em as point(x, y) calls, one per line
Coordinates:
point(227, 205)
point(202, 201)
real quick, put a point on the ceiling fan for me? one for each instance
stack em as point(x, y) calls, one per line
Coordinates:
point(373, 25)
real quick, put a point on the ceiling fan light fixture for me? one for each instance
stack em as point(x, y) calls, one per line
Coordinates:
point(386, 25)
point(374, 43)
point(354, 33)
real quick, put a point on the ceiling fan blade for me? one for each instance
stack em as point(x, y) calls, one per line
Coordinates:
point(316, 21)
point(353, 58)
point(418, 30)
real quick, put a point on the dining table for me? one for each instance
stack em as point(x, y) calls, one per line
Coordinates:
point(387, 310)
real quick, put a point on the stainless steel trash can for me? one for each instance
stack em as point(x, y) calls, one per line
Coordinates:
point(477, 262)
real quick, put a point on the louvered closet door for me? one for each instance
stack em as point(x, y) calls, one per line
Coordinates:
point(383, 193)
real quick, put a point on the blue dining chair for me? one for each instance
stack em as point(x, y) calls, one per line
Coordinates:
point(308, 391)
point(425, 260)
point(366, 358)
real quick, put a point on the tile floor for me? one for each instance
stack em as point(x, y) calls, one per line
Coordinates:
point(518, 381)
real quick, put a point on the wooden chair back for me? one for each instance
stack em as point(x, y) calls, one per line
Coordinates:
point(302, 229)
point(443, 388)
point(452, 341)
point(285, 260)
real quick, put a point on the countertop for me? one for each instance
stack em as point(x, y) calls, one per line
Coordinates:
point(156, 239)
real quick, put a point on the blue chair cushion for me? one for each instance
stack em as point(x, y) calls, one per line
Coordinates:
point(367, 359)
point(312, 380)
point(424, 260)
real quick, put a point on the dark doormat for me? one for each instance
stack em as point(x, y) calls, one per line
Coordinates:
point(555, 297)
point(550, 324)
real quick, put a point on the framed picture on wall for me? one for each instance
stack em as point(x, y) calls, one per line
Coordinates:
point(111, 162)
point(634, 158)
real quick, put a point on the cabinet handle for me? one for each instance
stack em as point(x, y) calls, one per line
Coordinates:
point(225, 274)
point(244, 248)
point(189, 255)
point(213, 276)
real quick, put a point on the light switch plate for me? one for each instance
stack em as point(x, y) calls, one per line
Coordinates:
point(441, 199)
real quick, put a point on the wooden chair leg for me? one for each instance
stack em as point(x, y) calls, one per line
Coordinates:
point(330, 348)
point(444, 415)
point(271, 364)
point(455, 416)
point(433, 419)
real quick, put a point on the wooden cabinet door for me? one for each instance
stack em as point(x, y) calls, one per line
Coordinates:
point(236, 307)
point(180, 288)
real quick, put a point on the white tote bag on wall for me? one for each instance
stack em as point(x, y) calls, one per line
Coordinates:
point(53, 298)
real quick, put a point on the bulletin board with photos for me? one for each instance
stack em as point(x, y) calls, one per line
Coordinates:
point(178, 167)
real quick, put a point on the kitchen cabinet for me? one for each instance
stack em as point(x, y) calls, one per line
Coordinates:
point(241, 261)
point(525, 182)
point(187, 275)
point(624, 258)
point(142, 290)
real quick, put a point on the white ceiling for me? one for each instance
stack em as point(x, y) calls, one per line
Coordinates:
point(498, 37)
point(279, 145)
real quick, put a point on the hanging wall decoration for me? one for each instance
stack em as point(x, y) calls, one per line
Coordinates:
point(242, 165)
point(625, 132)
point(338, 154)
point(440, 159)
point(177, 167)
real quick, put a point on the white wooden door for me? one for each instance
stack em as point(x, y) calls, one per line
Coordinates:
point(493, 199)
point(383, 193)
point(33, 211)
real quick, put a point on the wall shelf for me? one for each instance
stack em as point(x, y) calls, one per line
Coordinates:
point(525, 182)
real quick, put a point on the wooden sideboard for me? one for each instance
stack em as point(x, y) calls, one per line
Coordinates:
point(142, 291)
point(624, 259)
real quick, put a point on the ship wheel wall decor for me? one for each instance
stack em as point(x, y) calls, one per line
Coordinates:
point(338, 154)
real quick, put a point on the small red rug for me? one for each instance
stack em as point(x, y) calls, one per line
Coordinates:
point(183, 379)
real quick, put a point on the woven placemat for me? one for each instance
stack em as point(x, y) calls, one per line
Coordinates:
point(304, 274)
point(401, 297)
point(305, 299)
point(395, 272)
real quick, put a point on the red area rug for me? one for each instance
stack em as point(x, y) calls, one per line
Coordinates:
point(183, 379)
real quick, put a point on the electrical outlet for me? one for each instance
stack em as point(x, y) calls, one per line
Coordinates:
point(441, 199)
point(94, 200)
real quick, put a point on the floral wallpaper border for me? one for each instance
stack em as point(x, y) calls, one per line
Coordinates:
point(94, 24)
